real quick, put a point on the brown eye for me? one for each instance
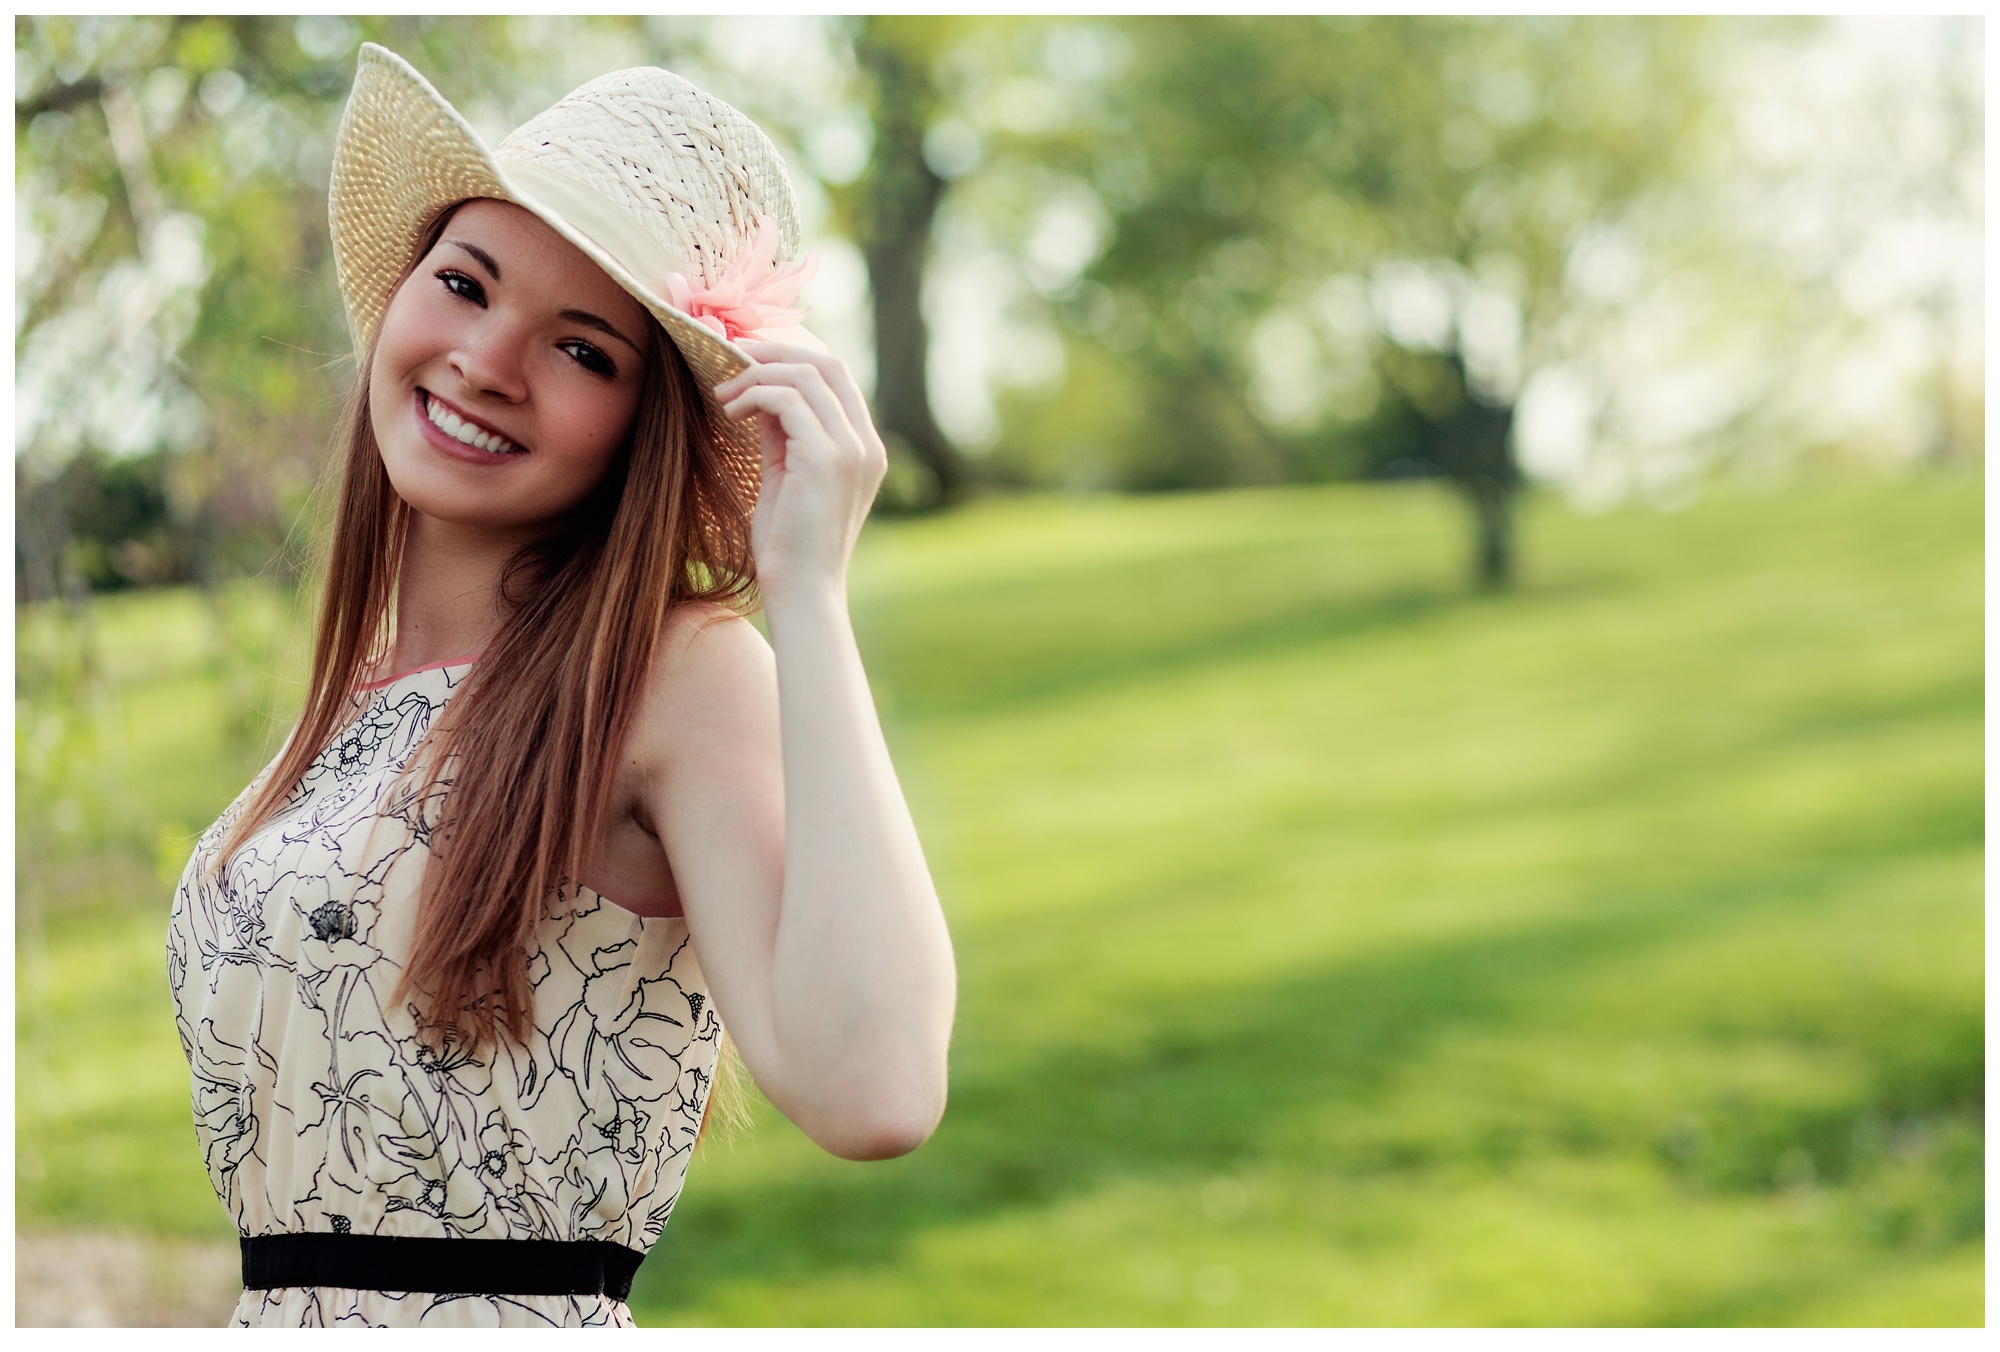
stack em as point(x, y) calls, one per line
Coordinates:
point(591, 359)
point(462, 286)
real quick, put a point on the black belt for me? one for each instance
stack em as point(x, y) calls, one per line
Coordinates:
point(460, 1267)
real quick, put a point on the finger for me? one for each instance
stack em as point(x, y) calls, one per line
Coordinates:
point(810, 382)
point(779, 358)
point(771, 444)
point(831, 368)
point(839, 380)
point(802, 426)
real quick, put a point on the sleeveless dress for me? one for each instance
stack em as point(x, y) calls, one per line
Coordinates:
point(317, 1107)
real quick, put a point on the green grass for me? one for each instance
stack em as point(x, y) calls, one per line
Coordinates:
point(1335, 946)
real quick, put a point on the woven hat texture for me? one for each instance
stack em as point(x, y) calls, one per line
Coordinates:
point(639, 169)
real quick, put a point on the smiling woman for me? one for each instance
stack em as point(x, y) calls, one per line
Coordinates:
point(452, 974)
point(498, 354)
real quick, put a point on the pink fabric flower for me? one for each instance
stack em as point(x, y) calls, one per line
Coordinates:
point(751, 299)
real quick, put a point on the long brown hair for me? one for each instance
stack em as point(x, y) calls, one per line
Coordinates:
point(531, 741)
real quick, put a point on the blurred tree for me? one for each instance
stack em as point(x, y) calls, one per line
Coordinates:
point(891, 210)
point(1332, 246)
point(1861, 186)
point(174, 242)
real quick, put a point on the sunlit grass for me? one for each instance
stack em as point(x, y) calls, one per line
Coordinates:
point(1335, 947)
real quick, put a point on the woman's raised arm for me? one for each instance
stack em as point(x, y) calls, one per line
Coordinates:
point(771, 787)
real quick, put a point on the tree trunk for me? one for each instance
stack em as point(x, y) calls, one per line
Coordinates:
point(1493, 537)
point(1476, 449)
point(41, 530)
point(899, 202)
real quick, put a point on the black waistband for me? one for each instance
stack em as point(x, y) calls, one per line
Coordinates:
point(471, 1267)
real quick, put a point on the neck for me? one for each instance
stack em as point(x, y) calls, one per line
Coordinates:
point(448, 596)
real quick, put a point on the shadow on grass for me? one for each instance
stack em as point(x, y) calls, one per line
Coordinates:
point(1220, 1071)
point(1044, 652)
point(987, 647)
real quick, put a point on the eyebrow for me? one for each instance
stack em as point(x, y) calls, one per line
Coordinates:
point(485, 258)
point(583, 317)
point(591, 321)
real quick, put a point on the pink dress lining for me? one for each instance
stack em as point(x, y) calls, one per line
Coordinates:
point(429, 666)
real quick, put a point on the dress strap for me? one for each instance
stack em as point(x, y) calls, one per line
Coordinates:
point(459, 1267)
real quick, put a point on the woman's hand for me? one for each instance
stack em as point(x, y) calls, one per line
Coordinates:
point(823, 462)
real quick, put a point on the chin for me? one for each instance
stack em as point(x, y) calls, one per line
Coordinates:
point(431, 491)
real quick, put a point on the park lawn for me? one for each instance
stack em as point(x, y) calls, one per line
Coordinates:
point(1335, 946)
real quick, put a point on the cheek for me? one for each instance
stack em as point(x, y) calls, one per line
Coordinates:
point(382, 392)
point(596, 423)
point(402, 324)
point(399, 343)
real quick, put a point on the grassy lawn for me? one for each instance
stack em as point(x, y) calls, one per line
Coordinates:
point(1335, 947)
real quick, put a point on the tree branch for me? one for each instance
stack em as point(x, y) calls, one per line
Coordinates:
point(58, 98)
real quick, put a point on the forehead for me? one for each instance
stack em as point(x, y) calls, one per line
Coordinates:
point(538, 263)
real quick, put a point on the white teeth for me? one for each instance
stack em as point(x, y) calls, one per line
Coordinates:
point(458, 428)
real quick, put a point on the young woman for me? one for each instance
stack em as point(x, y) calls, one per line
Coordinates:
point(452, 974)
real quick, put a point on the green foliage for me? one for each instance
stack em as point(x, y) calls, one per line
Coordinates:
point(1243, 163)
point(1335, 948)
point(121, 525)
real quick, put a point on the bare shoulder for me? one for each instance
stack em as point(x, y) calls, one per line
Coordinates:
point(713, 677)
point(704, 642)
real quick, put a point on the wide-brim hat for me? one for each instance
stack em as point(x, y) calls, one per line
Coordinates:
point(658, 183)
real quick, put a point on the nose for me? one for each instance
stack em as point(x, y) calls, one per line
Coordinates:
point(489, 361)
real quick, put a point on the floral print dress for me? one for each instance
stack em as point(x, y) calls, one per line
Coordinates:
point(317, 1107)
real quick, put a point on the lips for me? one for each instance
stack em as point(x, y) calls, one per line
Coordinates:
point(454, 430)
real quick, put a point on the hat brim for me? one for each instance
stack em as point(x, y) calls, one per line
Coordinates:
point(402, 155)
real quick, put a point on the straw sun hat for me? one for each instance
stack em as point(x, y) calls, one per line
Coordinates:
point(675, 194)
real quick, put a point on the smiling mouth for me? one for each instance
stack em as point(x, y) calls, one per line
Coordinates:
point(464, 431)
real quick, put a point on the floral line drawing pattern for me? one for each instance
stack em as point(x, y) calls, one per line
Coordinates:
point(318, 1108)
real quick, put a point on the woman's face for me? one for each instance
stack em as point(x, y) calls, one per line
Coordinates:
point(507, 373)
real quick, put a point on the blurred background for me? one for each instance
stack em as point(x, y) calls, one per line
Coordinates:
point(1428, 604)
